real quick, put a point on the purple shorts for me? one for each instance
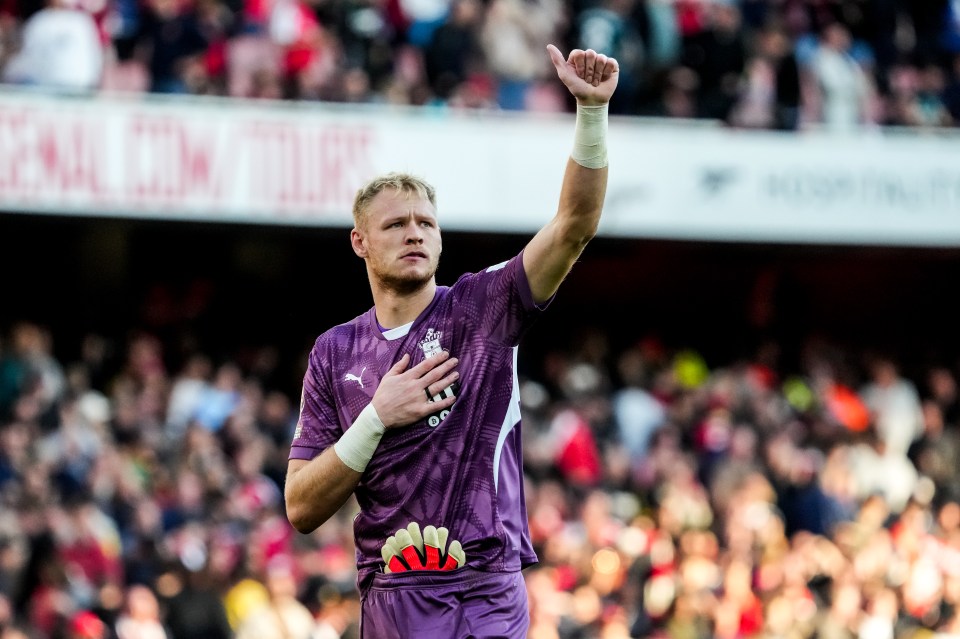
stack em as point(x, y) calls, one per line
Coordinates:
point(458, 604)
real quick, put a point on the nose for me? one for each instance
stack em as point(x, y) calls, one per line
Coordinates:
point(414, 234)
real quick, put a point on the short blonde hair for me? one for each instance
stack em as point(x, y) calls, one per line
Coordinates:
point(403, 182)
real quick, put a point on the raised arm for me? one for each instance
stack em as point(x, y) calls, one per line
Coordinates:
point(591, 78)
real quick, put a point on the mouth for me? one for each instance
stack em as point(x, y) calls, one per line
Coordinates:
point(414, 256)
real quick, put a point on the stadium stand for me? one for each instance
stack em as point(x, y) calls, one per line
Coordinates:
point(751, 63)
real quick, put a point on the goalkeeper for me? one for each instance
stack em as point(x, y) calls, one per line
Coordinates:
point(414, 406)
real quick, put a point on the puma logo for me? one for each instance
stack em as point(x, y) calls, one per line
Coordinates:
point(350, 377)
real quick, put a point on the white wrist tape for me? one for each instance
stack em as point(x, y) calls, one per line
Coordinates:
point(356, 447)
point(590, 138)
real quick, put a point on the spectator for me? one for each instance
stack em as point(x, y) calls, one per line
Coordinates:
point(29, 369)
point(943, 391)
point(930, 111)
point(282, 616)
point(453, 54)
point(220, 399)
point(196, 611)
point(663, 45)
point(60, 50)
point(934, 453)
point(758, 106)
point(513, 37)
point(140, 618)
point(295, 29)
point(607, 27)
point(86, 625)
point(172, 35)
point(839, 87)
point(895, 403)
point(843, 618)
point(717, 55)
point(637, 412)
point(187, 393)
point(788, 87)
point(422, 17)
point(88, 548)
point(917, 97)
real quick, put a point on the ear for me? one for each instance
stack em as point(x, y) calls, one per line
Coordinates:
point(357, 242)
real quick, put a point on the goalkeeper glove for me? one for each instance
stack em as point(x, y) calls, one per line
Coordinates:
point(408, 549)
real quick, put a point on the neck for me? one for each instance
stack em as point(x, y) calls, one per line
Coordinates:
point(396, 308)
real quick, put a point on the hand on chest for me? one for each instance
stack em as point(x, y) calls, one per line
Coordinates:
point(359, 378)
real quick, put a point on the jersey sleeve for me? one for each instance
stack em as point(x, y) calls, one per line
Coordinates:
point(499, 301)
point(318, 427)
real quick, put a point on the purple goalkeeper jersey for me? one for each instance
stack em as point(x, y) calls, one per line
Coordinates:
point(461, 468)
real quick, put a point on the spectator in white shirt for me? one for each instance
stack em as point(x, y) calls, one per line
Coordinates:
point(61, 49)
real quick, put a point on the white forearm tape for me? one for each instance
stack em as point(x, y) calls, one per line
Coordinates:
point(356, 447)
point(590, 138)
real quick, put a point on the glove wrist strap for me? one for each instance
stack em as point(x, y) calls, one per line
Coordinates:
point(590, 137)
point(357, 445)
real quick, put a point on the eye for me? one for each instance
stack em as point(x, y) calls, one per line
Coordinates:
point(426, 224)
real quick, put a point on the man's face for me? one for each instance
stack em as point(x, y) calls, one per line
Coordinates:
point(400, 240)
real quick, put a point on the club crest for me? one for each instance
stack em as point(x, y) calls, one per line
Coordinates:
point(431, 343)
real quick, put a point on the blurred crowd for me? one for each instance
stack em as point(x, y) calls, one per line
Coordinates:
point(141, 487)
point(783, 64)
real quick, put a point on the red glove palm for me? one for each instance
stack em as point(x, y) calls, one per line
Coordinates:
point(409, 550)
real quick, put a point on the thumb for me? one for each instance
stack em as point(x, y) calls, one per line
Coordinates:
point(556, 57)
point(400, 366)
